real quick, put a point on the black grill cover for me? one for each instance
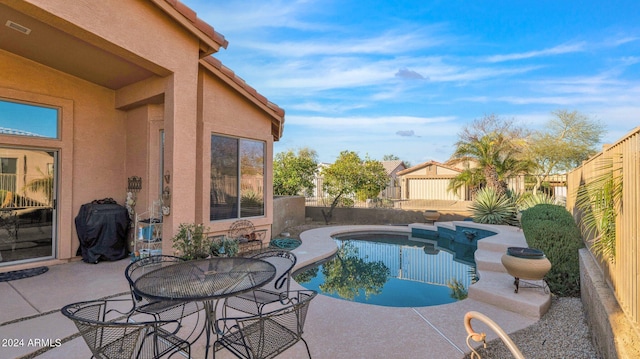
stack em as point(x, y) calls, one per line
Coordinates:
point(102, 230)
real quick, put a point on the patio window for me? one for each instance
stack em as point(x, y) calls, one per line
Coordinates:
point(237, 178)
point(20, 119)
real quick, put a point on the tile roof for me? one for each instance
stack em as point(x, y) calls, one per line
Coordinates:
point(209, 31)
point(191, 15)
point(389, 166)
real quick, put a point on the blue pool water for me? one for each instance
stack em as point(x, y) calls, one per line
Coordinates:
point(394, 270)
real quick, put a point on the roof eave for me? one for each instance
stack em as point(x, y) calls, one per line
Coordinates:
point(210, 40)
point(227, 75)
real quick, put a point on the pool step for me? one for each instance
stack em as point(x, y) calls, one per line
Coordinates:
point(496, 286)
point(498, 289)
point(489, 261)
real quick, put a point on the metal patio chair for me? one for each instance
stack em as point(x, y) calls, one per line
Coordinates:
point(173, 311)
point(253, 302)
point(266, 335)
point(115, 334)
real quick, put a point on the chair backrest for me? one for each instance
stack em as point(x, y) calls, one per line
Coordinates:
point(284, 261)
point(145, 265)
point(109, 334)
point(278, 329)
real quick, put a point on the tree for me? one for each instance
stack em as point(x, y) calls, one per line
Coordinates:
point(294, 173)
point(568, 139)
point(43, 184)
point(392, 157)
point(349, 175)
point(496, 147)
point(349, 274)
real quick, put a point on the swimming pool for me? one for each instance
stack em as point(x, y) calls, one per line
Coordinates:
point(394, 269)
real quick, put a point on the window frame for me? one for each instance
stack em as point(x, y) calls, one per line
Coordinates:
point(236, 210)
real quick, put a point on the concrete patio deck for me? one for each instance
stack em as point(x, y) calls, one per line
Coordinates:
point(334, 328)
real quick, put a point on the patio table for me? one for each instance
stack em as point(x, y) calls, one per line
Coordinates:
point(205, 280)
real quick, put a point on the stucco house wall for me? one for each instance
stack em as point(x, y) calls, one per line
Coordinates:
point(226, 113)
point(120, 72)
point(90, 128)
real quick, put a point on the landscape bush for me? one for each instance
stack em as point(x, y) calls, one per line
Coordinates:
point(491, 207)
point(551, 229)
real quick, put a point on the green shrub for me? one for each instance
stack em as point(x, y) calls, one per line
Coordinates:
point(551, 229)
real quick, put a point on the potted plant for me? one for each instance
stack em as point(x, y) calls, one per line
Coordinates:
point(224, 247)
point(191, 241)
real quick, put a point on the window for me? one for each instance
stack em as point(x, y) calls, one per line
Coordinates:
point(27, 120)
point(237, 178)
point(8, 172)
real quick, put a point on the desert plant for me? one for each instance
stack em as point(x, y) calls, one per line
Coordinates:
point(458, 291)
point(600, 201)
point(551, 229)
point(191, 241)
point(532, 199)
point(43, 184)
point(224, 247)
point(251, 199)
point(492, 207)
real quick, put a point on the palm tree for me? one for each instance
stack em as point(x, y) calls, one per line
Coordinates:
point(42, 184)
point(470, 177)
point(497, 157)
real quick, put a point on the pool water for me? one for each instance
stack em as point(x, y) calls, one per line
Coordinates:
point(394, 270)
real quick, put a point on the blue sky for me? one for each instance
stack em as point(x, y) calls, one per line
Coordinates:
point(404, 77)
point(27, 119)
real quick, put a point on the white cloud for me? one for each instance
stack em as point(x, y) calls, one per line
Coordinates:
point(623, 40)
point(370, 123)
point(250, 15)
point(313, 106)
point(556, 50)
point(392, 42)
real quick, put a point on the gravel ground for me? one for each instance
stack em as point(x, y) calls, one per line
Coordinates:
point(561, 333)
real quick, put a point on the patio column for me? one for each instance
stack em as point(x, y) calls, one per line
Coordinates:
point(180, 150)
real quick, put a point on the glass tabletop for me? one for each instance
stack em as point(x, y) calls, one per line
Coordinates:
point(205, 279)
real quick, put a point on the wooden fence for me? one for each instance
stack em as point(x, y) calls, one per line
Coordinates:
point(623, 274)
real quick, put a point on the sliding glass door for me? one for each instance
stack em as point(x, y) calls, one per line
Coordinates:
point(27, 197)
point(27, 183)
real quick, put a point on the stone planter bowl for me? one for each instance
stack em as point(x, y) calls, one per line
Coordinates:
point(431, 215)
point(526, 263)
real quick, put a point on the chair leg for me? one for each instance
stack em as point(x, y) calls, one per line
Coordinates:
point(213, 349)
point(306, 345)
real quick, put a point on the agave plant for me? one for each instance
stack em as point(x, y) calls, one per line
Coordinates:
point(491, 207)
